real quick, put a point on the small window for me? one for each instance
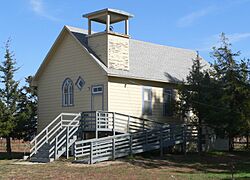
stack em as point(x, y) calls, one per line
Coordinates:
point(97, 90)
point(80, 83)
point(147, 101)
point(167, 102)
point(67, 92)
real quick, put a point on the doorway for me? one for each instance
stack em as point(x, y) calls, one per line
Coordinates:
point(97, 98)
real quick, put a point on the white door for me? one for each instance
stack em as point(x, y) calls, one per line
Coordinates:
point(97, 98)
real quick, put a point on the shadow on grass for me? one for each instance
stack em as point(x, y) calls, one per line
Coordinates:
point(15, 155)
point(213, 162)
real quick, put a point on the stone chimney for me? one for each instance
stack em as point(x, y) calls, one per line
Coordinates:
point(111, 47)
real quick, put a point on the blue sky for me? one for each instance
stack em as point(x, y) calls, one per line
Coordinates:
point(33, 25)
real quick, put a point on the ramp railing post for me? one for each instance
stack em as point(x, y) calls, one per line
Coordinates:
point(113, 123)
point(128, 124)
point(161, 143)
point(91, 153)
point(96, 124)
point(130, 144)
point(35, 146)
point(184, 139)
point(74, 146)
point(56, 147)
point(47, 135)
point(67, 143)
point(113, 148)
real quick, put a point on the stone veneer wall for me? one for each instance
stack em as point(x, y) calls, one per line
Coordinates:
point(118, 52)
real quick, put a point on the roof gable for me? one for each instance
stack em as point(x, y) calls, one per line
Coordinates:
point(59, 39)
point(147, 61)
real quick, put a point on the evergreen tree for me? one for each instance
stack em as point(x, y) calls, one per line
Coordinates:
point(192, 95)
point(9, 96)
point(231, 93)
point(27, 112)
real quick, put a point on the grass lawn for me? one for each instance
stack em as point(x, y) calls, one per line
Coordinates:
point(207, 166)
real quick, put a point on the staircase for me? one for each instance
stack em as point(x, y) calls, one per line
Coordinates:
point(128, 135)
point(56, 138)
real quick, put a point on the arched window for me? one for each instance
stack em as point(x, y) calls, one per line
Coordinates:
point(67, 93)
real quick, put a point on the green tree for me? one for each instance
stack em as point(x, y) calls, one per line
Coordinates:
point(9, 96)
point(231, 92)
point(27, 112)
point(193, 97)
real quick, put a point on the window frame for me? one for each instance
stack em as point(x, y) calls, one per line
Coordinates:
point(149, 89)
point(97, 87)
point(68, 95)
point(167, 102)
point(80, 79)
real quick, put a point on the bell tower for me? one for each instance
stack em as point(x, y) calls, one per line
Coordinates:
point(111, 47)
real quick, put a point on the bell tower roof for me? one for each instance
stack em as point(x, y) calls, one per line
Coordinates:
point(115, 16)
point(109, 16)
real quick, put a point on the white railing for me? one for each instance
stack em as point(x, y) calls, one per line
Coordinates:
point(112, 147)
point(64, 138)
point(50, 131)
point(110, 121)
point(139, 135)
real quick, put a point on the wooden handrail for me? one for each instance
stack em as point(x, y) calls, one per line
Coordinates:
point(100, 139)
point(51, 132)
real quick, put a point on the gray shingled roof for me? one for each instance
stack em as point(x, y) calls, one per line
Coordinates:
point(150, 61)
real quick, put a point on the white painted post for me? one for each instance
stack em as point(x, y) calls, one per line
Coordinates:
point(131, 145)
point(126, 27)
point(128, 124)
point(35, 146)
point(113, 148)
point(113, 123)
point(67, 142)
point(61, 120)
point(47, 135)
point(89, 27)
point(91, 153)
point(108, 23)
point(161, 143)
point(56, 147)
point(96, 124)
point(74, 150)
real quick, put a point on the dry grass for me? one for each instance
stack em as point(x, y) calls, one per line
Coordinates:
point(207, 166)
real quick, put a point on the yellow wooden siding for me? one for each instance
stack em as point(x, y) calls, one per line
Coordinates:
point(98, 43)
point(68, 61)
point(125, 96)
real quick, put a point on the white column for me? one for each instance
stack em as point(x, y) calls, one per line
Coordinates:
point(108, 23)
point(126, 27)
point(89, 27)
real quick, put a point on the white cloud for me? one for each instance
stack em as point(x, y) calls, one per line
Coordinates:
point(214, 40)
point(38, 7)
point(238, 37)
point(193, 16)
point(217, 7)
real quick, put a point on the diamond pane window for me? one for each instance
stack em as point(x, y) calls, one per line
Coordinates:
point(80, 83)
